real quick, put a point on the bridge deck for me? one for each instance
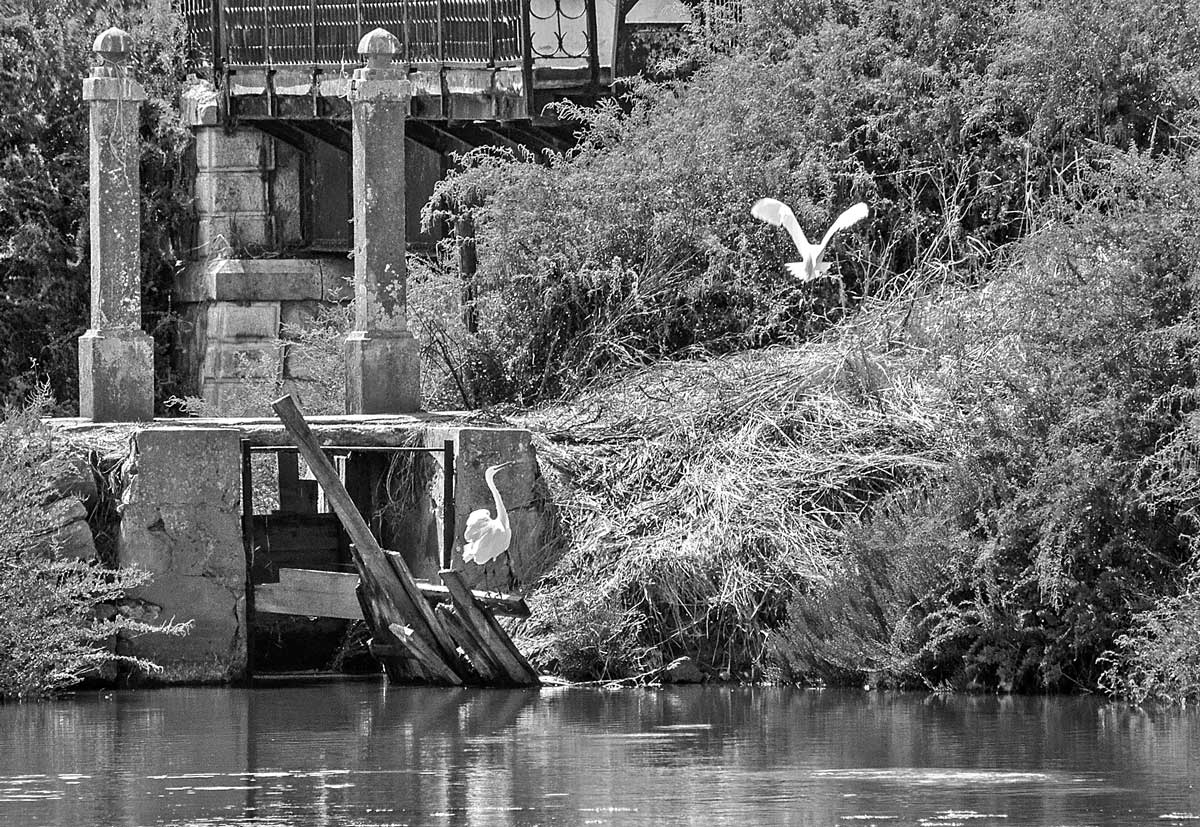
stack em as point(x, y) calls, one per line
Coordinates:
point(497, 60)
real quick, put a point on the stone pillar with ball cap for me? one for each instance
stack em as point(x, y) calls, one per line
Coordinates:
point(383, 367)
point(116, 357)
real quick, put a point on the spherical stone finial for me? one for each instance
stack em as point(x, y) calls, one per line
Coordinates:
point(378, 47)
point(114, 46)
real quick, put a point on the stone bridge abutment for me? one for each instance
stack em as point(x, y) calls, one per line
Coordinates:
point(187, 510)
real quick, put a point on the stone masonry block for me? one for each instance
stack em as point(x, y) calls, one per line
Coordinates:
point(192, 539)
point(217, 235)
point(269, 279)
point(181, 522)
point(222, 191)
point(224, 360)
point(383, 374)
point(215, 649)
point(218, 150)
point(298, 313)
point(116, 376)
point(243, 322)
point(186, 466)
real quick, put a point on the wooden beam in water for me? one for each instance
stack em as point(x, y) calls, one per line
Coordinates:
point(493, 638)
point(424, 654)
point(487, 666)
point(398, 662)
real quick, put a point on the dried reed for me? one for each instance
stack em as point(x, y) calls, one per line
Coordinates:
point(701, 497)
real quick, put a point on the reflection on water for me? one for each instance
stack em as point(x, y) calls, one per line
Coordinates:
point(369, 754)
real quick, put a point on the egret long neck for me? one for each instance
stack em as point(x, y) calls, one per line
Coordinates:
point(501, 512)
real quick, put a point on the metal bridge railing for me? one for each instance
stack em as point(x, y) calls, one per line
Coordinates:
point(272, 33)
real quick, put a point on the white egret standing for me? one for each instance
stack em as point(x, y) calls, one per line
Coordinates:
point(488, 537)
point(811, 265)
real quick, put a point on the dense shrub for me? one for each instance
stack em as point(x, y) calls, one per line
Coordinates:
point(1055, 527)
point(955, 122)
point(704, 497)
point(1158, 658)
point(59, 614)
point(45, 50)
point(959, 488)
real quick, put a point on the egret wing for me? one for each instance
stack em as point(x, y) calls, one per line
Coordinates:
point(781, 215)
point(798, 270)
point(491, 548)
point(844, 221)
point(477, 524)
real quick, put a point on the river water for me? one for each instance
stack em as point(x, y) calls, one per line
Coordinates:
point(370, 754)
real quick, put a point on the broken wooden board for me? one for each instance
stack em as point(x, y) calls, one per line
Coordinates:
point(422, 652)
point(491, 636)
point(389, 589)
point(487, 666)
point(398, 663)
point(314, 593)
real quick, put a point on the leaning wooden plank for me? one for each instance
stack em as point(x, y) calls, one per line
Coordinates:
point(320, 593)
point(402, 575)
point(398, 662)
point(422, 652)
point(407, 598)
point(477, 653)
point(494, 638)
point(429, 652)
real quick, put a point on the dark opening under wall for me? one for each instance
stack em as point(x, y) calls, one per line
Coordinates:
point(292, 527)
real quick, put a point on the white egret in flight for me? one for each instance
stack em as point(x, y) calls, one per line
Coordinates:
point(810, 265)
point(488, 537)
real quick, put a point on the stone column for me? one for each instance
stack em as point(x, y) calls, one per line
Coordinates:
point(383, 367)
point(116, 358)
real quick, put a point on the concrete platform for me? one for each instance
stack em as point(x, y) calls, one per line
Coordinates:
point(182, 515)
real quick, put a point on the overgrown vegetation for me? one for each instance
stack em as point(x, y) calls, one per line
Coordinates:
point(979, 473)
point(954, 122)
point(1054, 524)
point(61, 615)
point(45, 51)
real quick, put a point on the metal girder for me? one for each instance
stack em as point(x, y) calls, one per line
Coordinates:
point(538, 137)
point(483, 134)
point(435, 136)
point(295, 133)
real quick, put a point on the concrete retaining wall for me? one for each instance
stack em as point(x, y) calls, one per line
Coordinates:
point(181, 521)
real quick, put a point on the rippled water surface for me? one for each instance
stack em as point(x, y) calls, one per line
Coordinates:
point(369, 754)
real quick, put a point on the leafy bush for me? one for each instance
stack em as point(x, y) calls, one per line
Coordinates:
point(45, 50)
point(956, 123)
point(1052, 529)
point(59, 614)
point(1158, 658)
